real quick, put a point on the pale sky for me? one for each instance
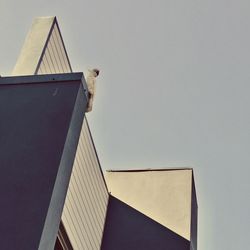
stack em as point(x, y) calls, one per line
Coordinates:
point(173, 91)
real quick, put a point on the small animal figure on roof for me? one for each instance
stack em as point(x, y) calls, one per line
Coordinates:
point(91, 81)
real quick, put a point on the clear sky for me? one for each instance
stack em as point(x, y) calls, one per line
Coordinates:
point(173, 92)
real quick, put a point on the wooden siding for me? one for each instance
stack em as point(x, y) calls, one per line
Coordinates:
point(87, 197)
point(54, 59)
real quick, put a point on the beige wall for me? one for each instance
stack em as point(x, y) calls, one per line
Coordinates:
point(87, 197)
point(86, 202)
point(163, 195)
point(54, 59)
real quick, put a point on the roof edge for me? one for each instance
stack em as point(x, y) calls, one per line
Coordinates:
point(149, 169)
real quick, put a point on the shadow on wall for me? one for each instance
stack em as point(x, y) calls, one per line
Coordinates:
point(128, 229)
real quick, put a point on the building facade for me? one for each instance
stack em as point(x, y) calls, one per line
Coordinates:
point(156, 207)
point(130, 210)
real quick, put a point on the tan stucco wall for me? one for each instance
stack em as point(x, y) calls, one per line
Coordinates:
point(164, 196)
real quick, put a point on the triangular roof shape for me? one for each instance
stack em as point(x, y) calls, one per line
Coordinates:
point(164, 195)
point(43, 50)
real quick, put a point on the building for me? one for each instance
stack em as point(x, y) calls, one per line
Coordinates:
point(156, 207)
point(144, 209)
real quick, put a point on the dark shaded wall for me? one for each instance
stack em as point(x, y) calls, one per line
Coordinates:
point(39, 131)
point(194, 217)
point(128, 229)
